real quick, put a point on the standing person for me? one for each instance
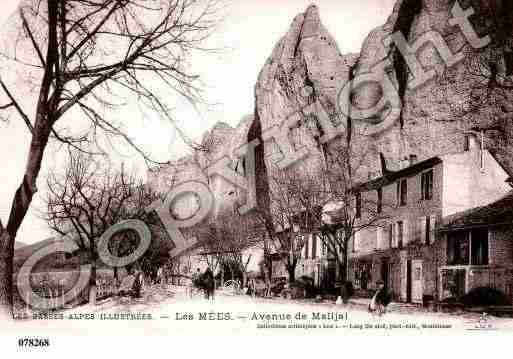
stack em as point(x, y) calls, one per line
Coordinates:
point(249, 287)
point(138, 284)
point(195, 277)
point(380, 300)
point(364, 279)
point(195, 282)
point(208, 280)
point(253, 287)
point(159, 276)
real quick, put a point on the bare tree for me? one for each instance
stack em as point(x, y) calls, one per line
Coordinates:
point(79, 55)
point(297, 195)
point(211, 244)
point(225, 241)
point(351, 211)
point(86, 200)
point(240, 236)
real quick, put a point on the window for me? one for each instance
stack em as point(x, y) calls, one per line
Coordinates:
point(508, 59)
point(468, 247)
point(427, 185)
point(382, 240)
point(400, 234)
point(466, 144)
point(379, 208)
point(479, 247)
point(402, 192)
point(306, 248)
point(314, 247)
point(428, 231)
point(356, 241)
point(358, 205)
point(324, 249)
point(458, 248)
point(418, 274)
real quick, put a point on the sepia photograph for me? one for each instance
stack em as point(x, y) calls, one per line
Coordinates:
point(289, 168)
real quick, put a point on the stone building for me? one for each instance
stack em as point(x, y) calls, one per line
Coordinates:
point(477, 249)
point(406, 249)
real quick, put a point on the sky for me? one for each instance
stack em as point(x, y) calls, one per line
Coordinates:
point(247, 36)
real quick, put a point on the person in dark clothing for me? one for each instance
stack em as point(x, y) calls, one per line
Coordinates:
point(137, 286)
point(208, 283)
point(380, 300)
point(196, 278)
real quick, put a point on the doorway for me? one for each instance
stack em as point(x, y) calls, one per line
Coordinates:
point(417, 281)
point(408, 281)
point(385, 274)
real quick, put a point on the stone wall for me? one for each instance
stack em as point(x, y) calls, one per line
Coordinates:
point(501, 247)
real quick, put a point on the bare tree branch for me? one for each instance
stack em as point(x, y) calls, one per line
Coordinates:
point(16, 106)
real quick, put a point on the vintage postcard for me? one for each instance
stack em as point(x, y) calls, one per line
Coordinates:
point(326, 168)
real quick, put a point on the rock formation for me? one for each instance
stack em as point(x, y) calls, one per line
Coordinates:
point(307, 71)
point(473, 94)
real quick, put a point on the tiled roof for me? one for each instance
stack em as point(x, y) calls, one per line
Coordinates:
point(391, 177)
point(500, 212)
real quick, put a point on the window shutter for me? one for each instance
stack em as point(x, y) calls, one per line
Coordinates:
point(432, 229)
point(406, 233)
point(422, 186)
point(381, 239)
point(394, 235)
point(390, 233)
point(422, 229)
point(398, 194)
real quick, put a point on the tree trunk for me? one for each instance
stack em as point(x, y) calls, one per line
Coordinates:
point(291, 269)
point(244, 278)
point(267, 277)
point(6, 289)
point(40, 135)
point(346, 265)
point(92, 278)
point(342, 272)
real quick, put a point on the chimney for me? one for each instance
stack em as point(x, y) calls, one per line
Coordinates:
point(472, 143)
point(475, 142)
point(413, 159)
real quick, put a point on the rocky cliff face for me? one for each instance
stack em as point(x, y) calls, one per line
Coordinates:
point(305, 68)
point(474, 94)
point(221, 141)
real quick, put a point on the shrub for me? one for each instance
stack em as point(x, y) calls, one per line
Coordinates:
point(303, 287)
point(306, 280)
point(485, 296)
point(348, 288)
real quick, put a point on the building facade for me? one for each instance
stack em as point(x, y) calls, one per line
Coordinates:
point(315, 262)
point(477, 250)
point(405, 247)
